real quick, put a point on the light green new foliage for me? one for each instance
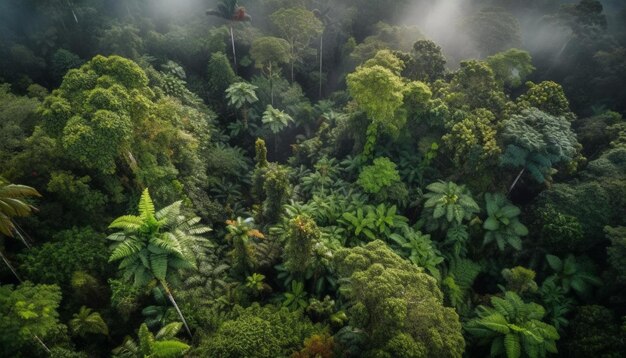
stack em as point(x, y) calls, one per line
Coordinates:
point(397, 305)
point(94, 110)
point(513, 328)
point(86, 321)
point(380, 175)
point(162, 345)
point(156, 245)
point(275, 119)
point(27, 311)
point(502, 223)
point(447, 204)
point(379, 92)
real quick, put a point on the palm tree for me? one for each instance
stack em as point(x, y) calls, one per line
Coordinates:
point(163, 344)
point(156, 246)
point(86, 321)
point(231, 11)
point(240, 95)
point(11, 205)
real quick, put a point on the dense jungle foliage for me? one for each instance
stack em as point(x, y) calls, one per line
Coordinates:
point(312, 178)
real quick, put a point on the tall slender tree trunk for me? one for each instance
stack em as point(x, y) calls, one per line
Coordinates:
point(173, 301)
point(271, 85)
point(321, 60)
point(18, 230)
point(516, 180)
point(232, 42)
point(8, 263)
point(42, 344)
point(293, 60)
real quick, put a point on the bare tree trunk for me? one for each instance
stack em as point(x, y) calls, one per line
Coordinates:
point(8, 263)
point(321, 60)
point(516, 180)
point(18, 230)
point(271, 85)
point(293, 60)
point(42, 344)
point(232, 42)
point(173, 301)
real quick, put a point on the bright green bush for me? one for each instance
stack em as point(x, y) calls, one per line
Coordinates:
point(259, 332)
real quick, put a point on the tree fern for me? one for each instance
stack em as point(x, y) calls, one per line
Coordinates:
point(148, 345)
point(447, 204)
point(513, 327)
point(86, 321)
point(156, 248)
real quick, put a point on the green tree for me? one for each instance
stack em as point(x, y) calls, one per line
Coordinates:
point(474, 85)
point(512, 328)
point(473, 141)
point(258, 332)
point(427, 63)
point(536, 141)
point(268, 54)
point(17, 115)
point(397, 305)
point(27, 311)
point(275, 119)
point(229, 10)
point(156, 245)
point(298, 26)
point(303, 233)
point(69, 251)
point(240, 233)
point(240, 95)
point(162, 345)
point(379, 176)
point(511, 67)
point(378, 91)
point(502, 224)
point(546, 96)
point(86, 321)
point(220, 76)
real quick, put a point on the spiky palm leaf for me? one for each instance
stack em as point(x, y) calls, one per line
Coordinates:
point(87, 321)
point(12, 205)
point(162, 345)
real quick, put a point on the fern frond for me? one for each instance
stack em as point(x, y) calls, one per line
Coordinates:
point(512, 346)
point(146, 206)
point(128, 223)
point(169, 331)
point(166, 349)
point(125, 249)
